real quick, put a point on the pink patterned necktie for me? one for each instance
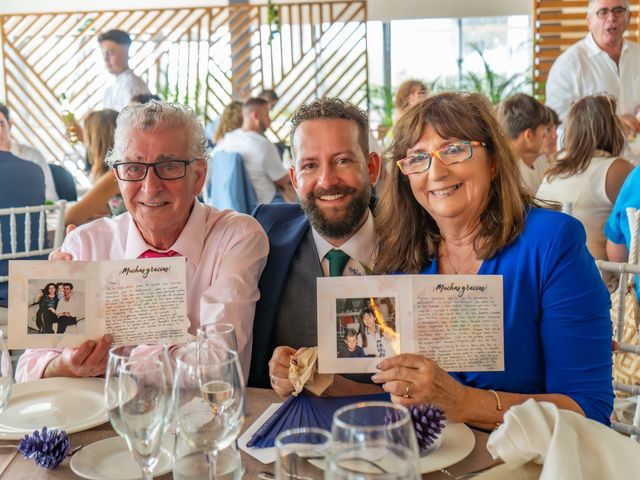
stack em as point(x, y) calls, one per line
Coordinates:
point(155, 254)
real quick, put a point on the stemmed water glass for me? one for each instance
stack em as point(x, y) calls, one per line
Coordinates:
point(143, 399)
point(118, 356)
point(6, 373)
point(208, 399)
point(221, 334)
point(373, 440)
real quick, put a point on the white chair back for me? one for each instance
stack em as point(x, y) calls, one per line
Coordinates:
point(49, 218)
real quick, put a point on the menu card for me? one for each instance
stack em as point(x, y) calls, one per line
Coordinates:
point(64, 303)
point(455, 320)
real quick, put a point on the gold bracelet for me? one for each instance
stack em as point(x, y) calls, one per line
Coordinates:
point(498, 405)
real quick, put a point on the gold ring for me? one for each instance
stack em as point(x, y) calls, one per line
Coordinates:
point(273, 377)
point(406, 392)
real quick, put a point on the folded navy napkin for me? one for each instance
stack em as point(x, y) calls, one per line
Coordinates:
point(305, 411)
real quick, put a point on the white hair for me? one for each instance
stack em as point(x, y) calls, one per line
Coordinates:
point(592, 3)
point(158, 116)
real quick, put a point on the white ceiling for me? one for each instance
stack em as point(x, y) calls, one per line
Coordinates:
point(377, 9)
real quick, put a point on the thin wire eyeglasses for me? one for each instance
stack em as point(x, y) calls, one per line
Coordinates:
point(164, 170)
point(449, 154)
point(616, 11)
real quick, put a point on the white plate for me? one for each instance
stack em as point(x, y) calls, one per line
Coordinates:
point(457, 442)
point(111, 459)
point(69, 404)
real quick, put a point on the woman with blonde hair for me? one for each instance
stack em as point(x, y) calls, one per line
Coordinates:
point(589, 173)
point(230, 120)
point(456, 205)
point(103, 198)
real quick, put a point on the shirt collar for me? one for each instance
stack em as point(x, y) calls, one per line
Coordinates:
point(594, 50)
point(362, 246)
point(189, 244)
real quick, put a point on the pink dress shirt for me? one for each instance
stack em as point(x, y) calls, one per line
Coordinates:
point(226, 252)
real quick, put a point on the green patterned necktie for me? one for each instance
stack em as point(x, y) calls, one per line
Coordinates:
point(337, 261)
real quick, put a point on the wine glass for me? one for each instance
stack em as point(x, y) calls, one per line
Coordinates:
point(373, 440)
point(208, 398)
point(143, 399)
point(118, 356)
point(300, 450)
point(221, 334)
point(6, 373)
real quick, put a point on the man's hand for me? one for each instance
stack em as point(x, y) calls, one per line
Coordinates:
point(279, 370)
point(630, 123)
point(58, 254)
point(88, 360)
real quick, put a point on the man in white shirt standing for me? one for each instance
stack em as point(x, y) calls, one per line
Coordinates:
point(261, 158)
point(25, 152)
point(114, 45)
point(601, 62)
point(68, 310)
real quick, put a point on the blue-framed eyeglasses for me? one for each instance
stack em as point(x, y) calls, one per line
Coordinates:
point(165, 170)
point(451, 153)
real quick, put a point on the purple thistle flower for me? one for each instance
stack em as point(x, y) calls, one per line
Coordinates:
point(428, 423)
point(48, 448)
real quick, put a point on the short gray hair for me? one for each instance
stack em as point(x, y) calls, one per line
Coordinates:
point(592, 2)
point(156, 116)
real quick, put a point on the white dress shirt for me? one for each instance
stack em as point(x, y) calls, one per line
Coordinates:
point(70, 306)
point(225, 251)
point(126, 85)
point(261, 160)
point(25, 152)
point(584, 69)
point(362, 247)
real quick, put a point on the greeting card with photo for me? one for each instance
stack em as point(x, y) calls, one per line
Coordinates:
point(455, 320)
point(62, 304)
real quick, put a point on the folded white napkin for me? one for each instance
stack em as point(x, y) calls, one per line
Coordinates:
point(566, 444)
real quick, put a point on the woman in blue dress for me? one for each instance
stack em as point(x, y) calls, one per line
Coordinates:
point(456, 205)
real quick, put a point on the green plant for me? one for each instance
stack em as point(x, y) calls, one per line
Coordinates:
point(381, 100)
point(273, 18)
point(493, 85)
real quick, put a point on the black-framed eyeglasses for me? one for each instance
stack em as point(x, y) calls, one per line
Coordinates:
point(165, 170)
point(449, 154)
point(618, 12)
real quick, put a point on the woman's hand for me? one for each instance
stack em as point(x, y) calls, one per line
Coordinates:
point(412, 379)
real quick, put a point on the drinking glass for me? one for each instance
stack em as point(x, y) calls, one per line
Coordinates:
point(6, 373)
point(208, 399)
point(118, 356)
point(221, 334)
point(143, 399)
point(300, 451)
point(372, 441)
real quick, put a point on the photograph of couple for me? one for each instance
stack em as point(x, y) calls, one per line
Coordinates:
point(56, 307)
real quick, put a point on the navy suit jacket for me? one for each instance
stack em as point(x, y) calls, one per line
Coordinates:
point(286, 225)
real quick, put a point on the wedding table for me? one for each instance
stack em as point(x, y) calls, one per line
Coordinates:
point(257, 401)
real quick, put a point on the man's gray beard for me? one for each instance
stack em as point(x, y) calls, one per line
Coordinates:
point(342, 227)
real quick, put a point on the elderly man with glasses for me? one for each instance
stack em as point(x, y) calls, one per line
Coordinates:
point(601, 62)
point(160, 162)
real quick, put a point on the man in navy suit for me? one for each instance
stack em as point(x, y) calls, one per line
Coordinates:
point(330, 233)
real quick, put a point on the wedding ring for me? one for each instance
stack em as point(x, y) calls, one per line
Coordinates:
point(273, 377)
point(406, 392)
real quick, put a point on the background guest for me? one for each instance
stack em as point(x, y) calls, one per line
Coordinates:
point(230, 120)
point(25, 152)
point(103, 198)
point(456, 205)
point(525, 120)
point(589, 173)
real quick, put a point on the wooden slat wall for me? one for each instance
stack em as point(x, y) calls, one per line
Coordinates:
point(204, 57)
point(558, 24)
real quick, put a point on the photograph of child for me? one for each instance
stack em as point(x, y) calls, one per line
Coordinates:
point(366, 327)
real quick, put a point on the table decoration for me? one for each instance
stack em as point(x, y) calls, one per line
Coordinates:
point(48, 447)
point(428, 421)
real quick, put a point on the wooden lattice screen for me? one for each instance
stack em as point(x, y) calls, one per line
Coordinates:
point(558, 24)
point(202, 57)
